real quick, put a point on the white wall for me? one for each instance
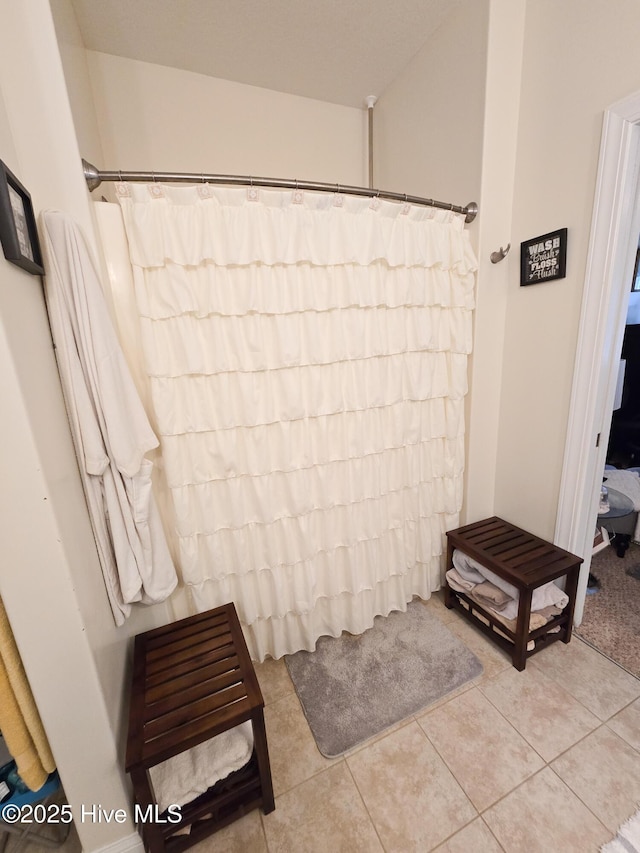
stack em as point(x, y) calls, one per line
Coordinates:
point(156, 118)
point(428, 122)
point(501, 114)
point(50, 578)
point(76, 73)
point(445, 129)
point(578, 59)
point(521, 136)
point(109, 644)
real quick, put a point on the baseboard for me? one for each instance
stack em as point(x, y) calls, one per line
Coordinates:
point(129, 844)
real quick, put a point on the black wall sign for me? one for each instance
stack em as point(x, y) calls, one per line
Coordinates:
point(543, 258)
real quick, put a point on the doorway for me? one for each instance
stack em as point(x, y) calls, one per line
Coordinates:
point(611, 608)
point(610, 265)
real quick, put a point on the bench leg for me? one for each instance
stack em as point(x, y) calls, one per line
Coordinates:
point(448, 595)
point(522, 630)
point(571, 589)
point(264, 766)
point(145, 798)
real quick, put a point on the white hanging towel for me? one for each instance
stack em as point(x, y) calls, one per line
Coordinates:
point(110, 428)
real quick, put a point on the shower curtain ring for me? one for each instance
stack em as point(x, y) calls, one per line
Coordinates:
point(202, 177)
point(153, 177)
point(120, 175)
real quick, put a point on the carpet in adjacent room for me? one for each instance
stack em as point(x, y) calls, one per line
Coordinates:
point(354, 687)
point(611, 622)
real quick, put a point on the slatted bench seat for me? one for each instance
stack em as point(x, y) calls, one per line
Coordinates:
point(526, 562)
point(192, 680)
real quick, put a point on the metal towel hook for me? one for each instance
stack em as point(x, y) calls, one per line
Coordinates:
point(500, 255)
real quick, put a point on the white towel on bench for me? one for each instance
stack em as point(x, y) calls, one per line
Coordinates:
point(187, 775)
point(543, 595)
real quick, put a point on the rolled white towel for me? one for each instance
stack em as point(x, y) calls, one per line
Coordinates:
point(543, 596)
point(465, 569)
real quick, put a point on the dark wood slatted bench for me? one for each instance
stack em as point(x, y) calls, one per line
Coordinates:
point(192, 680)
point(526, 562)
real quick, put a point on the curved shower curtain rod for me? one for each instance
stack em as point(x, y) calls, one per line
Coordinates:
point(94, 177)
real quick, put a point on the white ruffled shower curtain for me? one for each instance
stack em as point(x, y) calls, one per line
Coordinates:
point(307, 360)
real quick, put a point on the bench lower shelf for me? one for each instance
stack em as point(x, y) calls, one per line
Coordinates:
point(498, 632)
point(228, 800)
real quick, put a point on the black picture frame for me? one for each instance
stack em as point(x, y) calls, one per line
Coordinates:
point(543, 258)
point(18, 233)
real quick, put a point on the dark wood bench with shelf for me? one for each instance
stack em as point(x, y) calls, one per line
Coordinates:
point(192, 680)
point(526, 562)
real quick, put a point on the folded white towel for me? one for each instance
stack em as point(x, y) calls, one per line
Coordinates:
point(543, 596)
point(187, 775)
point(535, 620)
point(459, 583)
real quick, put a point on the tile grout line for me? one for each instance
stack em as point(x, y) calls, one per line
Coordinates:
point(488, 680)
point(579, 798)
point(364, 803)
point(545, 763)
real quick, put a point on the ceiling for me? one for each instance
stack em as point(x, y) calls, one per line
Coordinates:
point(339, 51)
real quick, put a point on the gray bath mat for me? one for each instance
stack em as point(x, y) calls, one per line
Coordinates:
point(353, 687)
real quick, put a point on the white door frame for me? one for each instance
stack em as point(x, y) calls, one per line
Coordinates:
point(612, 249)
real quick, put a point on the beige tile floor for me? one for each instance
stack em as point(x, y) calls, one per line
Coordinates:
point(543, 760)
